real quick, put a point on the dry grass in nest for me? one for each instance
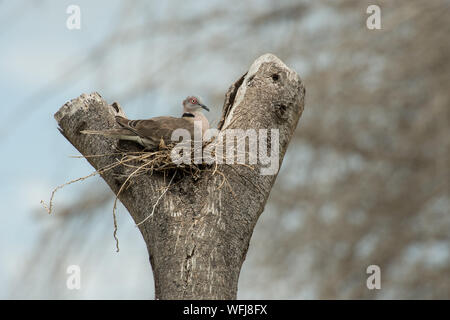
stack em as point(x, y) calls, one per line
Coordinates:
point(137, 163)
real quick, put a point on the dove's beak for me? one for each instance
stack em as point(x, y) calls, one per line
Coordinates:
point(204, 107)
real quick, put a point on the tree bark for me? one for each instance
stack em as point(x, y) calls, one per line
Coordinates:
point(198, 236)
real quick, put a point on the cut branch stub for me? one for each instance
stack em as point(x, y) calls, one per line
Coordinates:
point(199, 233)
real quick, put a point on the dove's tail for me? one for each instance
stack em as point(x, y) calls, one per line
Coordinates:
point(121, 134)
point(107, 133)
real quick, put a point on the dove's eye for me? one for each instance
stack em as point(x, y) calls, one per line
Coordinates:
point(193, 101)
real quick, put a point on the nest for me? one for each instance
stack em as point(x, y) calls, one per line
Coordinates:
point(159, 161)
point(144, 162)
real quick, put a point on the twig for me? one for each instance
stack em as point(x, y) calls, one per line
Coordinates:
point(157, 201)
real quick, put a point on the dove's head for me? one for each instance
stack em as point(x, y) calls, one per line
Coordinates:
point(192, 104)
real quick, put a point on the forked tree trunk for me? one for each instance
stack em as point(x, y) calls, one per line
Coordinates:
point(198, 236)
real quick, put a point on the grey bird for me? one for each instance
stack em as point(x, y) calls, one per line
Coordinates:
point(150, 132)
